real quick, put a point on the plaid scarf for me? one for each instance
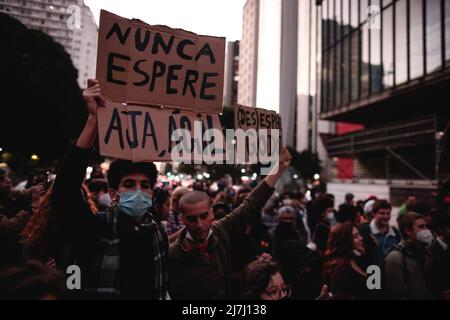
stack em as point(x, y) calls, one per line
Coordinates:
point(107, 264)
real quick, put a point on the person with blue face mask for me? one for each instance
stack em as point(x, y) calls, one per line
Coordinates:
point(122, 252)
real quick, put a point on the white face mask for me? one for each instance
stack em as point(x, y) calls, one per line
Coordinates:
point(424, 236)
point(104, 200)
point(330, 216)
point(357, 253)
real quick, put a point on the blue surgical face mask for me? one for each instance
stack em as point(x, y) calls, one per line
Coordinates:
point(135, 203)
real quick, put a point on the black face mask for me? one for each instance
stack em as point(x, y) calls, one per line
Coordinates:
point(286, 231)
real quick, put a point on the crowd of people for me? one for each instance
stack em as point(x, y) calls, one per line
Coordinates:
point(132, 240)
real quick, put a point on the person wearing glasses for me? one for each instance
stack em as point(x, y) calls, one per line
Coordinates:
point(262, 280)
point(200, 261)
point(122, 253)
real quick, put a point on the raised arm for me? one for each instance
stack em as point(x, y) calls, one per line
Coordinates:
point(67, 197)
point(249, 211)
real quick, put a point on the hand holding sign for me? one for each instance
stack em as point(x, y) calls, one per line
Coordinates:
point(285, 160)
point(92, 97)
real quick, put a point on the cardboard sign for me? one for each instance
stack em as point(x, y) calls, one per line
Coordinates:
point(255, 118)
point(143, 133)
point(156, 65)
point(248, 118)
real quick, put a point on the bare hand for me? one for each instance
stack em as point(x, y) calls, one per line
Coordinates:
point(285, 159)
point(36, 192)
point(265, 257)
point(325, 294)
point(51, 263)
point(92, 97)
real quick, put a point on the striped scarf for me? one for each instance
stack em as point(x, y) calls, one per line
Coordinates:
point(107, 264)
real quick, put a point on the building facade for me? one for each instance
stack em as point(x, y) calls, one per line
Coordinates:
point(248, 54)
point(231, 74)
point(68, 22)
point(385, 70)
point(364, 84)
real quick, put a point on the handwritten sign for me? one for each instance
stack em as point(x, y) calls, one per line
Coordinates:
point(144, 134)
point(157, 65)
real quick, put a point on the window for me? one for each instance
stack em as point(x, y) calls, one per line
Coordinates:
point(447, 32)
point(331, 75)
point(363, 6)
point(433, 29)
point(365, 61)
point(325, 24)
point(345, 16)
point(375, 60)
point(354, 13)
point(416, 38)
point(332, 26)
point(388, 49)
point(354, 64)
point(338, 19)
point(346, 71)
point(401, 62)
point(338, 70)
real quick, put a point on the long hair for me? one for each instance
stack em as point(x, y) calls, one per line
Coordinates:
point(339, 248)
point(43, 224)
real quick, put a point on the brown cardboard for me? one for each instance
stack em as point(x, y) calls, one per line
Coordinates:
point(255, 118)
point(120, 120)
point(131, 70)
point(246, 118)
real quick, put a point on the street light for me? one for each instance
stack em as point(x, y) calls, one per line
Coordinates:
point(316, 176)
point(242, 170)
point(34, 157)
point(295, 176)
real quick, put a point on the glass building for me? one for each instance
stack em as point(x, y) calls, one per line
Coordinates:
point(371, 46)
point(381, 77)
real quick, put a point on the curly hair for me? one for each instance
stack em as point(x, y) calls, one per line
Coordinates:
point(43, 224)
point(256, 277)
point(120, 168)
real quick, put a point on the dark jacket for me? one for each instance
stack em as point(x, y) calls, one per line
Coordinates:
point(191, 275)
point(320, 236)
point(14, 215)
point(438, 270)
point(83, 231)
point(346, 283)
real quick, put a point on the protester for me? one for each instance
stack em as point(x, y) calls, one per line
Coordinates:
point(31, 281)
point(302, 269)
point(160, 205)
point(301, 217)
point(42, 234)
point(323, 213)
point(15, 211)
point(286, 231)
point(122, 252)
point(200, 260)
point(438, 269)
point(262, 280)
point(404, 276)
point(345, 278)
point(174, 220)
point(380, 230)
point(100, 191)
point(349, 197)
